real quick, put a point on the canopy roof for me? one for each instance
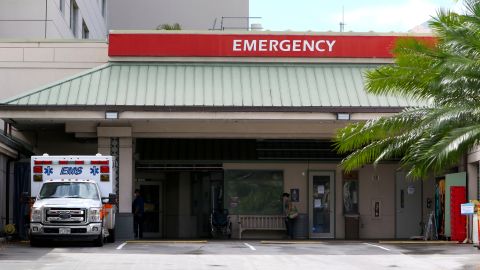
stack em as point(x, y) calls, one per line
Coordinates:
point(217, 86)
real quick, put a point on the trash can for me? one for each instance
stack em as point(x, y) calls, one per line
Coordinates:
point(352, 227)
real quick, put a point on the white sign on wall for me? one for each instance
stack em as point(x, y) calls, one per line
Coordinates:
point(467, 209)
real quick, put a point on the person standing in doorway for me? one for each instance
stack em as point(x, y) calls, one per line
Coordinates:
point(138, 214)
point(287, 212)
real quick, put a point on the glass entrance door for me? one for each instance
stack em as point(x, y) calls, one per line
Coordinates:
point(152, 193)
point(321, 204)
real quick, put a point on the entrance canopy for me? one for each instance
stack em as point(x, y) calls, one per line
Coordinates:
point(213, 87)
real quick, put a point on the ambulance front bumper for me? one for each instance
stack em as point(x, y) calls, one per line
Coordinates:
point(89, 231)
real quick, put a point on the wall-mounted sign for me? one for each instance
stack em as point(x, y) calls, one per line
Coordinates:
point(376, 209)
point(294, 195)
point(467, 208)
point(210, 44)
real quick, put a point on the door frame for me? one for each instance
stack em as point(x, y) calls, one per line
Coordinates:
point(333, 215)
point(161, 185)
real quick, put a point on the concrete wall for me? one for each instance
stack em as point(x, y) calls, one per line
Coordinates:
point(55, 142)
point(25, 66)
point(44, 19)
point(191, 15)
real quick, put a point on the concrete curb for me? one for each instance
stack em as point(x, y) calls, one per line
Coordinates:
point(167, 241)
point(269, 242)
point(420, 242)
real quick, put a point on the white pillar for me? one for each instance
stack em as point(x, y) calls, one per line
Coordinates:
point(103, 146)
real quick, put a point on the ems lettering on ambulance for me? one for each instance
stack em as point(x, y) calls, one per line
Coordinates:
point(274, 45)
point(71, 170)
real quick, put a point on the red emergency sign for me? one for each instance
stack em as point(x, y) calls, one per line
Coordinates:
point(251, 45)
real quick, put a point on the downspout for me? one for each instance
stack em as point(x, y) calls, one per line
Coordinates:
point(46, 18)
point(7, 193)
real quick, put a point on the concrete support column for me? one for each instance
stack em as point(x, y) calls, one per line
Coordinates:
point(108, 138)
point(126, 175)
point(104, 146)
point(472, 181)
point(472, 173)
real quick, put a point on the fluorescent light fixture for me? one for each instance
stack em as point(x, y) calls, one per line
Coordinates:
point(343, 116)
point(111, 115)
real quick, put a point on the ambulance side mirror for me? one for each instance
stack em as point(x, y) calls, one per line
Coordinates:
point(112, 198)
point(25, 197)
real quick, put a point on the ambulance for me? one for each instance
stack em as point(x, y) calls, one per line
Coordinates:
point(72, 198)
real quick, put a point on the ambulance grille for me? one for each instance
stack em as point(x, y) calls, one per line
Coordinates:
point(65, 215)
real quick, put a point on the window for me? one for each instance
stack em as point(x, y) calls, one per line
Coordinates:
point(61, 6)
point(350, 192)
point(249, 192)
point(73, 17)
point(69, 190)
point(103, 7)
point(85, 32)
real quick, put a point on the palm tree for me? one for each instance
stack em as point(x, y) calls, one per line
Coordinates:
point(445, 76)
point(166, 26)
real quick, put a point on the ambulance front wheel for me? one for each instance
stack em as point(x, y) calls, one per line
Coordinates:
point(111, 235)
point(35, 242)
point(99, 241)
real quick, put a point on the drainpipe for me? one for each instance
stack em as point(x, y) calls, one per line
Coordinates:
point(7, 192)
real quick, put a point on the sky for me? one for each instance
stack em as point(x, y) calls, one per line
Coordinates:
point(360, 15)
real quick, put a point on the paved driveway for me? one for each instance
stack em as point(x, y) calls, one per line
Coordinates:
point(240, 255)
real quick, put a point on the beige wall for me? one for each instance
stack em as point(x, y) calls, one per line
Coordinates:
point(25, 66)
point(56, 142)
point(191, 15)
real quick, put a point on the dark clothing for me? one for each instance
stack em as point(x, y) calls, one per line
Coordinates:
point(138, 226)
point(287, 207)
point(138, 206)
point(138, 216)
point(289, 225)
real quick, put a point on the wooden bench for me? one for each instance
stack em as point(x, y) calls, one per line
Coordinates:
point(259, 222)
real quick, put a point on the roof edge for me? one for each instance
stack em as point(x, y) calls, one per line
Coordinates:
point(217, 32)
point(123, 108)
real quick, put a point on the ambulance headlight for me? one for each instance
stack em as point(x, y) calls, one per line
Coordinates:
point(36, 215)
point(94, 214)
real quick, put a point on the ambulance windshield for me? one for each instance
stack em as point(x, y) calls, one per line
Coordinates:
point(80, 190)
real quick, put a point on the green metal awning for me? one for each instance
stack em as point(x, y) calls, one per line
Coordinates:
point(286, 86)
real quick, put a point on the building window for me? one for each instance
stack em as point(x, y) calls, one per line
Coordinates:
point(85, 32)
point(61, 6)
point(103, 4)
point(73, 17)
point(253, 192)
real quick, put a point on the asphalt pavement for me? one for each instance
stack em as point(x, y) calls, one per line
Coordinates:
point(143, 255)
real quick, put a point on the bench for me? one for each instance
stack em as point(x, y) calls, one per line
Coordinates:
point(260, 222)
point(3, 242)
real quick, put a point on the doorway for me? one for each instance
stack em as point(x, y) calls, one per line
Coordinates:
point(178, 204)
point(408, 204)
point(152, 193)
point(321, 186)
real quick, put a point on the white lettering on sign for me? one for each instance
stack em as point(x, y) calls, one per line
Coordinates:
point(273, 45)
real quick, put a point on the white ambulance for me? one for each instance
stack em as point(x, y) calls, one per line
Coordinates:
point(73, 199)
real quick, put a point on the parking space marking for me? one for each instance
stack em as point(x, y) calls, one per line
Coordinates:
point(121, 245)
point(250, 246)
point(377, 246)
